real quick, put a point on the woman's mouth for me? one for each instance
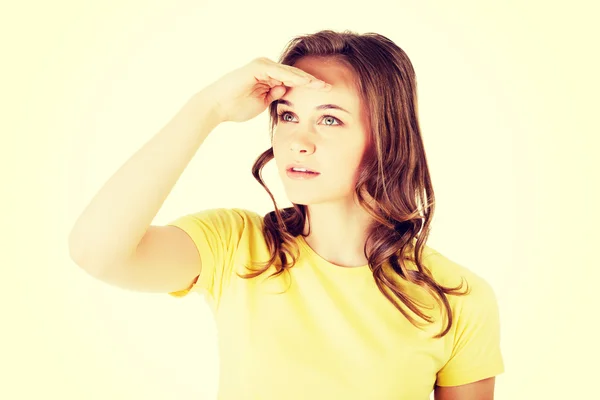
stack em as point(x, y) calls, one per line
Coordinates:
point(301, 173)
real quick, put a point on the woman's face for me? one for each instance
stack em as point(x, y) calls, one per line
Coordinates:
point(326, 140)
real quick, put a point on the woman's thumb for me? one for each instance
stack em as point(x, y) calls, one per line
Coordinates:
point(275, 93)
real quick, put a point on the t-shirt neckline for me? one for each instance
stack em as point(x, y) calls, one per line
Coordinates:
point(326, 264)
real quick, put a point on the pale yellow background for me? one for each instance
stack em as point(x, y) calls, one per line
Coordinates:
point(508, 101)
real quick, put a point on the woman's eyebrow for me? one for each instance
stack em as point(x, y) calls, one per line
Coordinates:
point(321, 107)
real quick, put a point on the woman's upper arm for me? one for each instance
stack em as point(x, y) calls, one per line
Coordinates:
point(480, 390)
point(166, 260)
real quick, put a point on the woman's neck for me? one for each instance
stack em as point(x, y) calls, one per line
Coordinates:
point(338, 233)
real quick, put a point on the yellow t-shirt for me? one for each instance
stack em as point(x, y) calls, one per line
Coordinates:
point(332, 334)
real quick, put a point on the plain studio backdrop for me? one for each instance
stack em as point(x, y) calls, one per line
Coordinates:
point(507, 98)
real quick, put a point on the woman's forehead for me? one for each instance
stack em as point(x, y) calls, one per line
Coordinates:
point(341, 78)
point(329, 70)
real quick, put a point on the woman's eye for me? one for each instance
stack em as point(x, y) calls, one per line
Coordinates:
point(328, 119)
point(282, 116)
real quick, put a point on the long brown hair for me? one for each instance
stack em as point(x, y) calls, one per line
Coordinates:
point(393, 173)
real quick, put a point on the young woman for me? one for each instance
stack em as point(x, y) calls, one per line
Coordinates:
point(337, 297)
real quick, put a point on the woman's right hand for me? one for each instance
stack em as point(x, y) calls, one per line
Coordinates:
point(245, 92)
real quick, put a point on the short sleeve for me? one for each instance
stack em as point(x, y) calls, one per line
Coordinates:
point(475, 341)
point(216, 234)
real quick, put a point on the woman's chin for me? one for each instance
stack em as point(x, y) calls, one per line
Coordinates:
point(314, 197)
point(301, 200)
point(302, 197)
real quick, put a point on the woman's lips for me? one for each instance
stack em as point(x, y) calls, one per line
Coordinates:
point(299, 168)
point(299, 175)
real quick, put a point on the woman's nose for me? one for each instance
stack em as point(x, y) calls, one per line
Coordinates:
point(302, 145)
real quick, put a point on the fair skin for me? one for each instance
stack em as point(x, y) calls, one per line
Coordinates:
point(332, 142)
point(133, 254)
point(480, 390)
